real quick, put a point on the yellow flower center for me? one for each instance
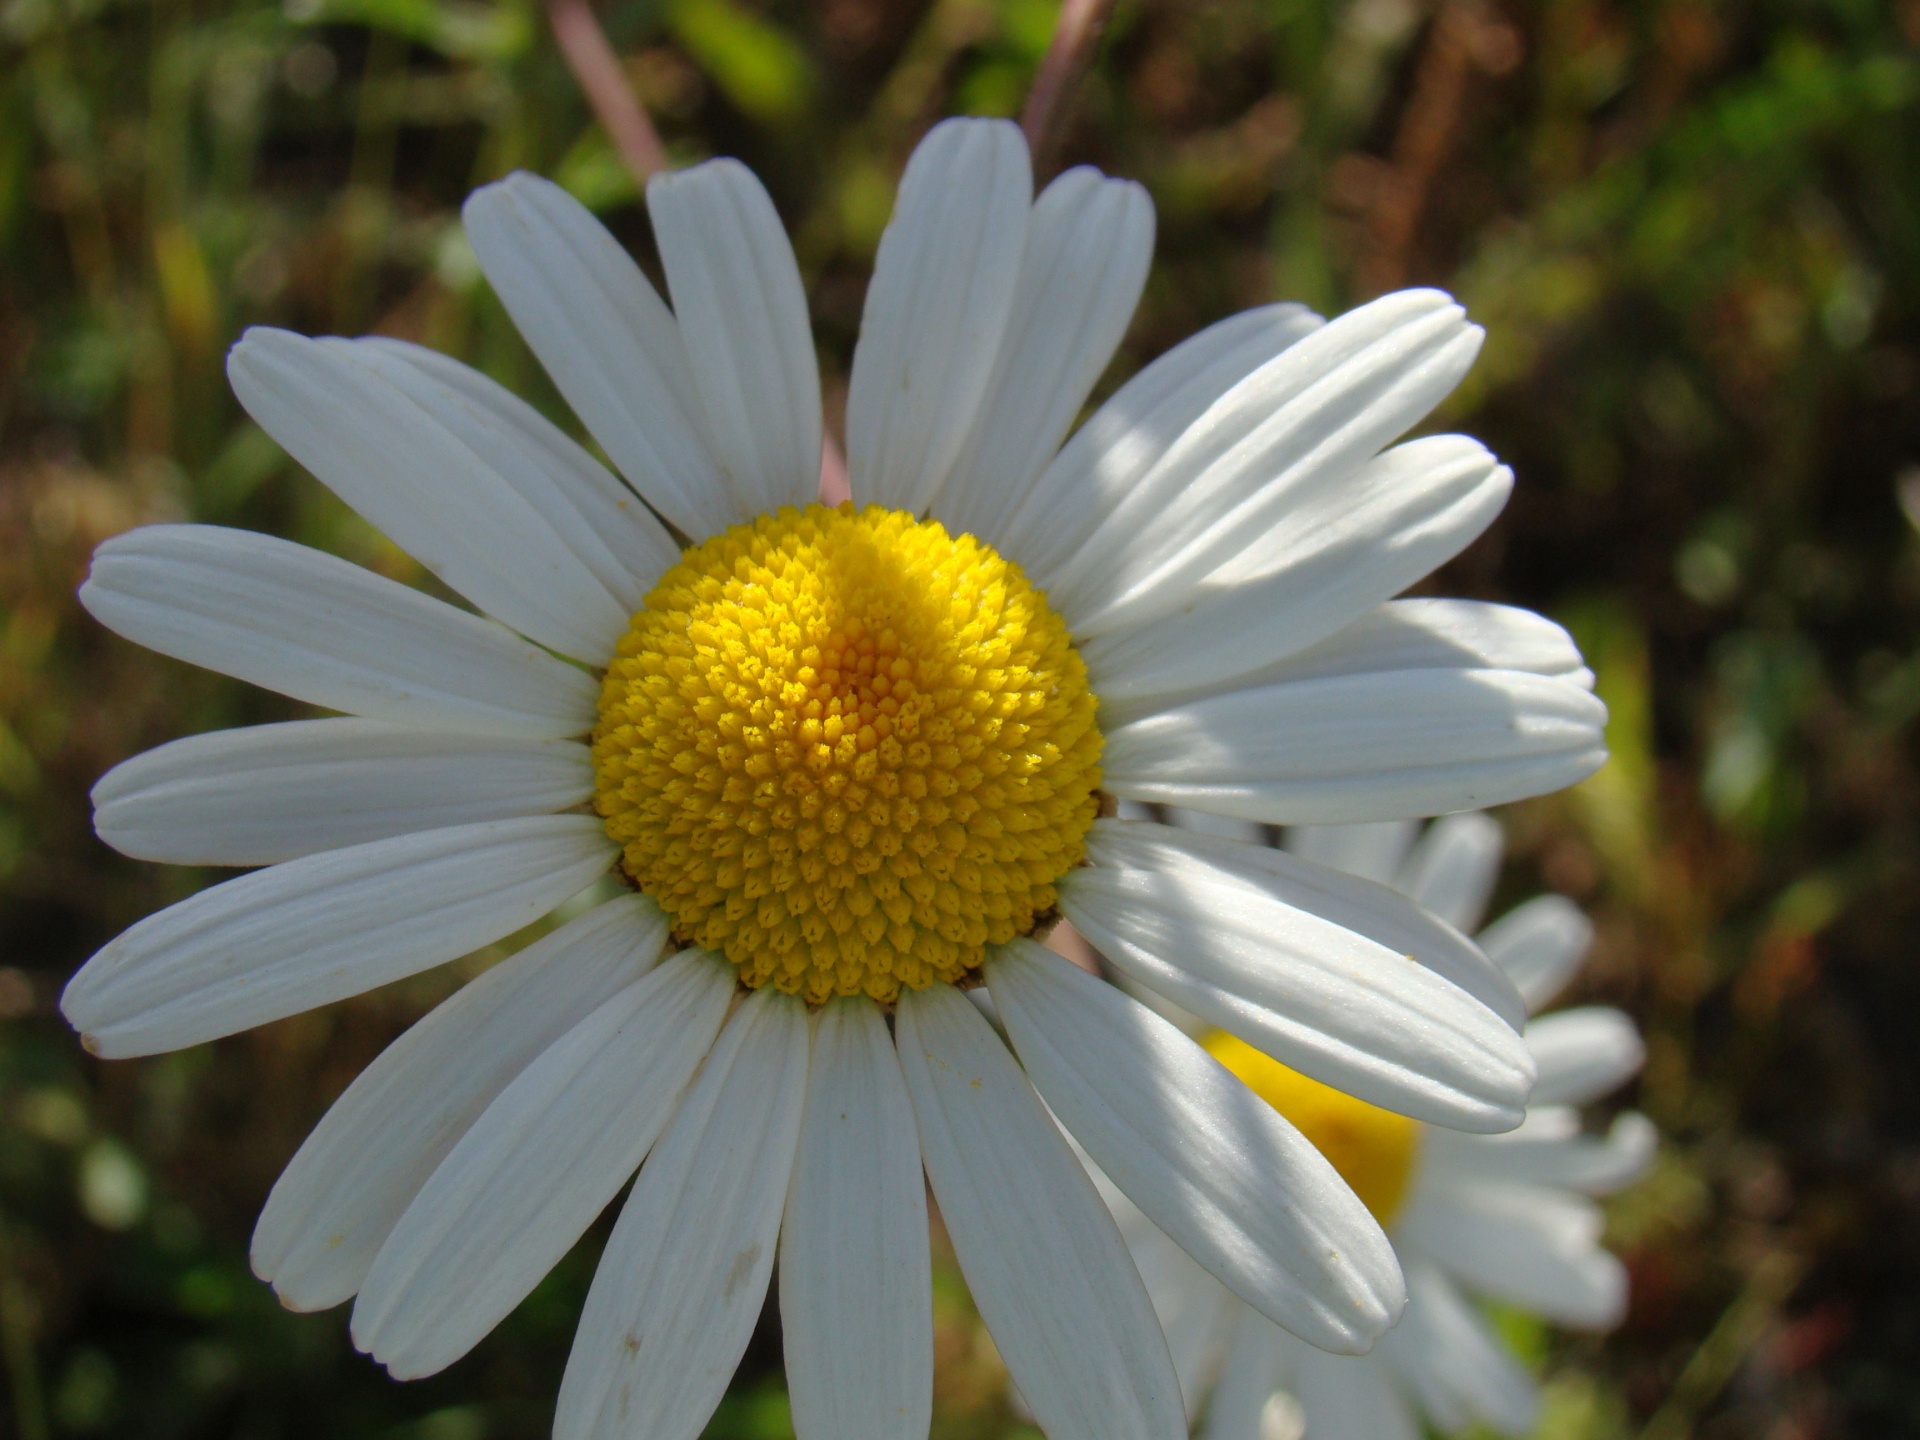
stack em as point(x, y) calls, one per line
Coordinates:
point(847, 750)
point(1373, 1149)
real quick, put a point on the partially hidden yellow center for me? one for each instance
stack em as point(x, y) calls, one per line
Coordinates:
point(847, 750)
point(1373, 1149)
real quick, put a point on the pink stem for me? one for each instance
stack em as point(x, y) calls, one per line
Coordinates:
point(1067, 941)
point(604, 83)
point(1073, 37)
point(835, 484)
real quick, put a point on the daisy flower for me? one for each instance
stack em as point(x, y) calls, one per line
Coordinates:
point(845, 763)
point(1506, 1217)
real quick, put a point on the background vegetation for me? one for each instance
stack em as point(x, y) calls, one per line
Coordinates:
point(1693, 232)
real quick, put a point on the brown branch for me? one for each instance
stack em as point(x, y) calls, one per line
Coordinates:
point(1073, 40)
point(604, 83)
point(1465, 37)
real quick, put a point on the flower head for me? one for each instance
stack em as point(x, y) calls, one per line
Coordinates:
point(1506, 1216)
point(842, 764)
point(847, 751)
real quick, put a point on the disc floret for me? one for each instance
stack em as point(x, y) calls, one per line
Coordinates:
point(847, 750)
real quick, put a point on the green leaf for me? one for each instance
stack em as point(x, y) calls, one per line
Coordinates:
point(757, 65)
point(595, 175)
point(458, 31)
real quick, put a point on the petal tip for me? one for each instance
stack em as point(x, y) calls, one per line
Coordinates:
point(90, 589)
point(498, 189)
point(251, 339)
point(484, 207)
point(986, 125)
point(1590, 763)
point(296, 1304)
point(1493, 1119)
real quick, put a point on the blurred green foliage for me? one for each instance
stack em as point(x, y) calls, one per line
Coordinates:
point(1693, 232)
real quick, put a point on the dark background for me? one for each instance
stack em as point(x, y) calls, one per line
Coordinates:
point(1693, 233)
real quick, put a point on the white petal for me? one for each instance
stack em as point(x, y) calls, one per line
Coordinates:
point(856, 1289)
point(347, 1185)
point(1043, 1258)
point(1452, 871)
point(607, 340)
point(1184, 1021)
point(1204, 1158)
point(1321, 998)
point(276, 792)
point(1262, 1359)
point(1430, 634)
point(1320, 566)
point(1196, 1312)
point(682, 1279)
point(1362, 747)
point(306, 624)
point(1204, 822)
point(1408, 635)
point(1089, 242)
point(1198, 1332)
point(1612, 1163)
point(1526, 1245)
point(1540, 945)
point(1583, 1054)
point(1345, 1397)
point(1299, 425)
point(743, 318)
point(1107, 457)
point(936, 310)
point(1541, 1155)
point(465, 484)
point(617, 539)
point(537, 1167)
point(318, 929)
point(1448, 1356)
point(1372, 849)
point(1356, 904)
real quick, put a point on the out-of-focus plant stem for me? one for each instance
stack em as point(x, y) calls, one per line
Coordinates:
point(1060, 69)
point(17, 1346)
point(591, 59)
point(1727, 1345)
